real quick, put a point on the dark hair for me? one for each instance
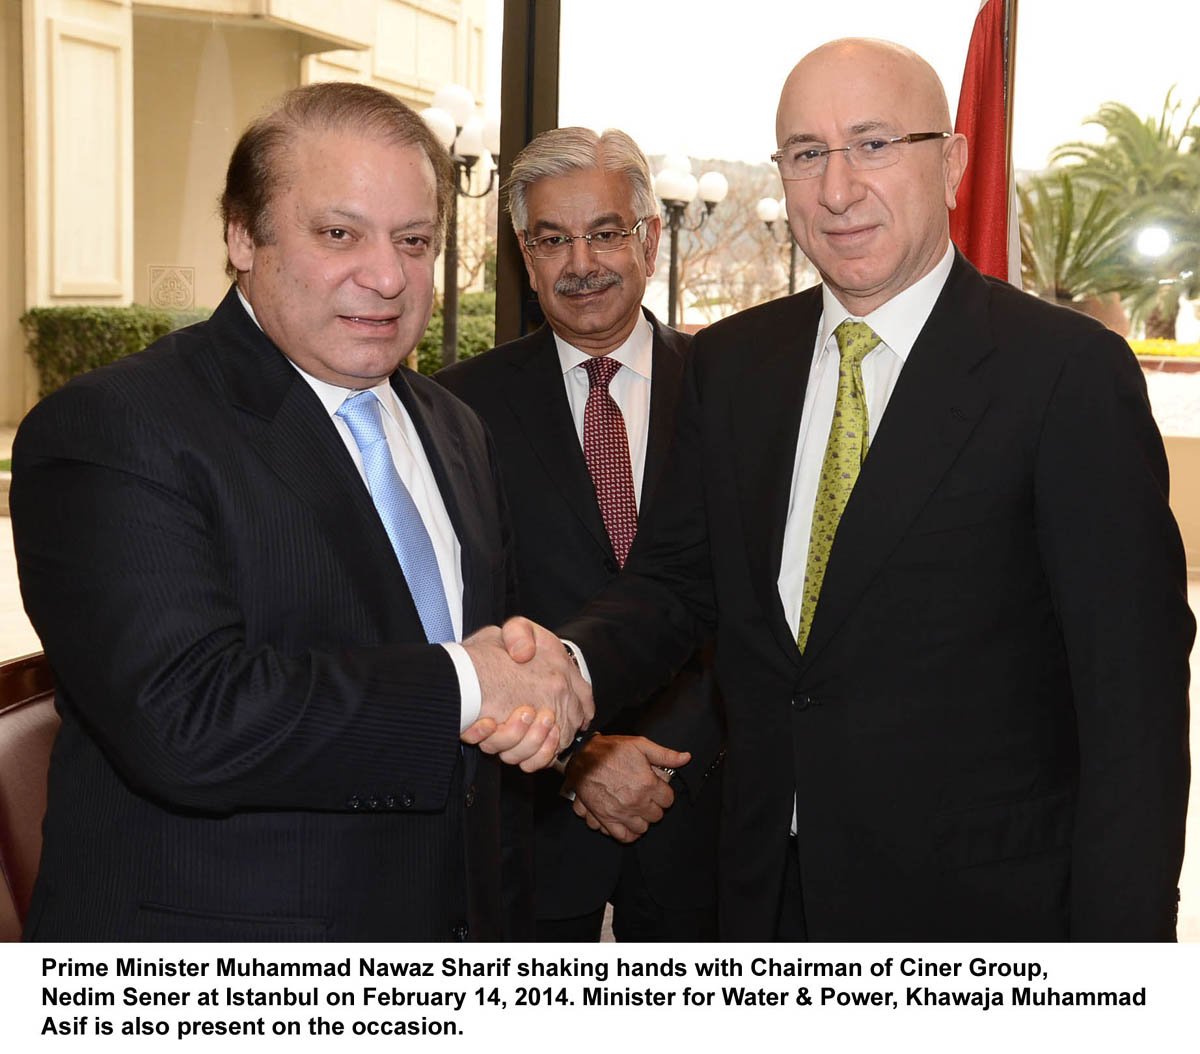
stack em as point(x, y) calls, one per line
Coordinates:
point(257, 166)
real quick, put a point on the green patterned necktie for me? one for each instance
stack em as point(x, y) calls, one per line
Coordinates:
point(849, 435)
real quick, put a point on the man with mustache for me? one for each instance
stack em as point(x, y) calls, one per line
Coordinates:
point(265, 564)
point(581, 412)
point(926, 515)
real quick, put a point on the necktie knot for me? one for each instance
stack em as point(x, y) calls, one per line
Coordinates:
point(361, 412)
point(601, 370)
point(855, 341)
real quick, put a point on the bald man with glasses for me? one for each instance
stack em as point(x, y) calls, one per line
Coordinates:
point(926, 515)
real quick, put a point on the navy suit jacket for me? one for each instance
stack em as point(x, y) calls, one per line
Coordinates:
point(257, 742)
point(987, 734)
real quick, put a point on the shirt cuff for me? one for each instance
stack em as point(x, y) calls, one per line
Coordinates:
point(580, 661)
point(469, 693)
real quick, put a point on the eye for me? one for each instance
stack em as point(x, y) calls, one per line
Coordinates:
point(807, 154)
point(607, 236)
point(872, 146)
point(554, 241)
point(416, 243)
point(337, 234)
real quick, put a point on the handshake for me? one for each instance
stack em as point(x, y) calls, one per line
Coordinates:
point(534, 699)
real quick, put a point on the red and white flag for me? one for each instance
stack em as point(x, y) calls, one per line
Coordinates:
point(984, 223)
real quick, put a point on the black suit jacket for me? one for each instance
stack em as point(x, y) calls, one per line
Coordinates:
point(987, 733)
point(563, 558)
point(257, 743)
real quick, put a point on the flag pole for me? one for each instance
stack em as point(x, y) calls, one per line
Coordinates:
point(1010, 79)
point(1010, 69)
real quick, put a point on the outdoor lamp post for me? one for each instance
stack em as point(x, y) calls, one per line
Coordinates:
point(677, 188)
point(769, 210)
point(470, 139)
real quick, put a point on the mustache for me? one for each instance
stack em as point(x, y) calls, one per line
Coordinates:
point(593, 282)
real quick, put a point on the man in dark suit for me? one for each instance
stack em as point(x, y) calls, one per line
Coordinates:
point(927, 515)
point(252, 553)
point(585, 212)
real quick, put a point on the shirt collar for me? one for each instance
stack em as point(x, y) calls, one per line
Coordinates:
point(899, 321)
point(331, 395)
point(636, 353)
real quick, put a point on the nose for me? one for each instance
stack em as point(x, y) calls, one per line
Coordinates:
point(582, 260)
point(381, 268)
point(841, 186)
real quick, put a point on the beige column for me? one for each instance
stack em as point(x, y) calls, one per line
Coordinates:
point(77, 130)
point(17, 382)
point(78, 151)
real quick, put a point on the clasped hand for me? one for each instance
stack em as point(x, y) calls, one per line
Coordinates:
point(534, 699)
point(620, 785)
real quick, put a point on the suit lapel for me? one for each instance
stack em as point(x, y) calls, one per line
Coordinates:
point(931, 413)
point(445, 454)
point(535, 393)
point(766, 409)
point(669, 350)
point(284, 421)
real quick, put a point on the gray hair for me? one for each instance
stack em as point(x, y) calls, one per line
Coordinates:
point(561, 151)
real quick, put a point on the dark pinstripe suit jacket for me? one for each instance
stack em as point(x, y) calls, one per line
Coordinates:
point(257, 744)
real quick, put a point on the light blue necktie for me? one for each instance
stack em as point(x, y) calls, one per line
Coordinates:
point(400, 516)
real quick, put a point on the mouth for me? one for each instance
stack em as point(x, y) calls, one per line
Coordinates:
point(588, 294)
point(851, 236)
point(371, 321)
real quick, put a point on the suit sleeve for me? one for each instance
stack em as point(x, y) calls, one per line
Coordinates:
point(1115, 564)
point(638, 632)
point(689, 715)
point(122, 574)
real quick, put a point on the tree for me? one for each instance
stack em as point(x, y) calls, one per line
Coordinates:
point(477, 219)
point(733, 261)
point(1073, 241)
point(1150, 169)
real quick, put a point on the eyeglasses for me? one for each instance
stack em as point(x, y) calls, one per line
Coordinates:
point(805, 160)
point(607, 240)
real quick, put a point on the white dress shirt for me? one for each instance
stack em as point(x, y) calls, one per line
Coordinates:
point(630, 389)
point(898, 323)
point(412, 465)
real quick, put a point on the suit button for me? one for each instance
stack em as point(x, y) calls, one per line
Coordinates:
point(389, 802)
point(470, 798)
point(407, 801)
point(354, 804)
point(802, 702)
point(459, 931)
point(610, 565)
point(372, 802)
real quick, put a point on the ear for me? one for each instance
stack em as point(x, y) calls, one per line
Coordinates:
point(955, 164)
point(653, 225)
point(240, 246)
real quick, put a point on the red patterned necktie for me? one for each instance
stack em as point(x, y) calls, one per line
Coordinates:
point(606, 450)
